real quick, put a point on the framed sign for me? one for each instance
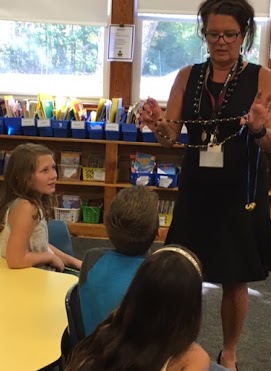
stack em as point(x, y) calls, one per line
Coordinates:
point(121, 42)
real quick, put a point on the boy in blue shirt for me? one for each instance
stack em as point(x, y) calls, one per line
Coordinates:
point(132, 224)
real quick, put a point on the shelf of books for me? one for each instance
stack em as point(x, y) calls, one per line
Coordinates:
point(98, 151)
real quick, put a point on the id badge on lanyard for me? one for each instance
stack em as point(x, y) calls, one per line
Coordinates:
point(213, 156)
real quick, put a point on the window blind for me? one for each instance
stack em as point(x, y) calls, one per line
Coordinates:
point(184, 7)
point(81, 12)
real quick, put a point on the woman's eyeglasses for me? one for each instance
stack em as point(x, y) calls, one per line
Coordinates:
point(228, 37)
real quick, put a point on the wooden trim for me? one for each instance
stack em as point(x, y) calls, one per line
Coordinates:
point(121, 72)
point(98, 231)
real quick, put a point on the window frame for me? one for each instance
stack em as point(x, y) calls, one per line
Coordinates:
point(138, 21)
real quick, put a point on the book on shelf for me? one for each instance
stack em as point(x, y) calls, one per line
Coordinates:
point(45, 106)
point(100, 109)
point(116, 105)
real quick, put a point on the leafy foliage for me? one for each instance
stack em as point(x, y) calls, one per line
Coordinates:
point(49, 48)
point(169, 46)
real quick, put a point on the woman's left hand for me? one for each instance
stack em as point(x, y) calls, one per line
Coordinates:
point(259, 113)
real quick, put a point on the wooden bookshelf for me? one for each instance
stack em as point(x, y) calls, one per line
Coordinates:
point(117, 165)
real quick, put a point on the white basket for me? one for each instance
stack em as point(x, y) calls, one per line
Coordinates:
point(67, 215)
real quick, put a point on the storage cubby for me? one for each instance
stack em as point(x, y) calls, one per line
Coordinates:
point(116, 167)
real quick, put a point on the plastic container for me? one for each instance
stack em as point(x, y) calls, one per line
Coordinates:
point(148, 135)
point(95, 130)
point(45, 128)
point(61, 128)
point(29, 127)
point(113, 131)
point(183, 137)
point(93, 174)
point(69, 172)
point(78, 129)
point(166, 180)
point(67, 215)
point(146, 179)
point(13, 125)
point(129, 132)
point(91, 214)
point(2, 125)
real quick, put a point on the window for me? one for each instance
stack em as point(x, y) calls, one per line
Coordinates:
point(58, 59)
point(168, 44)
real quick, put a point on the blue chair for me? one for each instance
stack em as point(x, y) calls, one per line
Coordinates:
point(59, 236)
point(75, 330)
point(73, 310)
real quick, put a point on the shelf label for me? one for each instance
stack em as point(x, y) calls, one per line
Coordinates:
point(28, 122)
point(112, 126)
point(78, 125)
point(43, 123)
point(146, 129)
point(99, 175)
point(142, 180)
point(96, 127)
point(165, 181)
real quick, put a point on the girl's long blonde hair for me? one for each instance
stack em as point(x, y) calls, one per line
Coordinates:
point(17, 181)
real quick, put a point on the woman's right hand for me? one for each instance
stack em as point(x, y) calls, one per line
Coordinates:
point(149, 114)
point(57, 263)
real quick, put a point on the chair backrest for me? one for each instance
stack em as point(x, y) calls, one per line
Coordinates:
point(59, 236)
point(75, 324)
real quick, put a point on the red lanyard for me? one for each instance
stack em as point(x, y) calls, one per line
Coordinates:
point(217, 103)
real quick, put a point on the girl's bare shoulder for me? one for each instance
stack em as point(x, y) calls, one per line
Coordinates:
point(23, 206)
point(194, 359)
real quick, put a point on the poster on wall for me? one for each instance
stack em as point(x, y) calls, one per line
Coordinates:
point(121, 42)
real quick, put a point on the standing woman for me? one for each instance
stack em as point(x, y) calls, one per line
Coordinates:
point(222, 208)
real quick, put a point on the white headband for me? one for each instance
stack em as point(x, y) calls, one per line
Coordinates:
point(184, 253)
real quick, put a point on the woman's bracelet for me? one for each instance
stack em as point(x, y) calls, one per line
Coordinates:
point(260, 134)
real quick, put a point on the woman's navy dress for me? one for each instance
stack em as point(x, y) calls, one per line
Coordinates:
point(210, 218)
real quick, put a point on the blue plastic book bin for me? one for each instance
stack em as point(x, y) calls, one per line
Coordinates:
point(2, 125)
point(45, 127)
point(147, 135)
point(129, 132)
point(113, 131)
point(146, 179)
point(61, 128)
point(95, 130)
point(13, 125)
point(29, 127)
point(79, 129)
point(183, 138)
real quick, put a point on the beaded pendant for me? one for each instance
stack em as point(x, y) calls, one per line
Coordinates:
point(200, 89)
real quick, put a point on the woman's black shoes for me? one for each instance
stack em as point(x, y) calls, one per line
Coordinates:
point(218, 360)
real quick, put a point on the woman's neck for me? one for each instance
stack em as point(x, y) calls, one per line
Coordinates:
point(221, 71)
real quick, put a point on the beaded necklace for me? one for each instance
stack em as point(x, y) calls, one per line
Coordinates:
point(211, 124)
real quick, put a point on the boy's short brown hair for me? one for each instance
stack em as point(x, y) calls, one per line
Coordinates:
point(132, 221)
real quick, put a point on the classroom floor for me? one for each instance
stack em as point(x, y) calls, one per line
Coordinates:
point(254, 350)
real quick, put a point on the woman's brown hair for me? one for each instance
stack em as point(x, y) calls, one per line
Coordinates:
point(240, 10)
